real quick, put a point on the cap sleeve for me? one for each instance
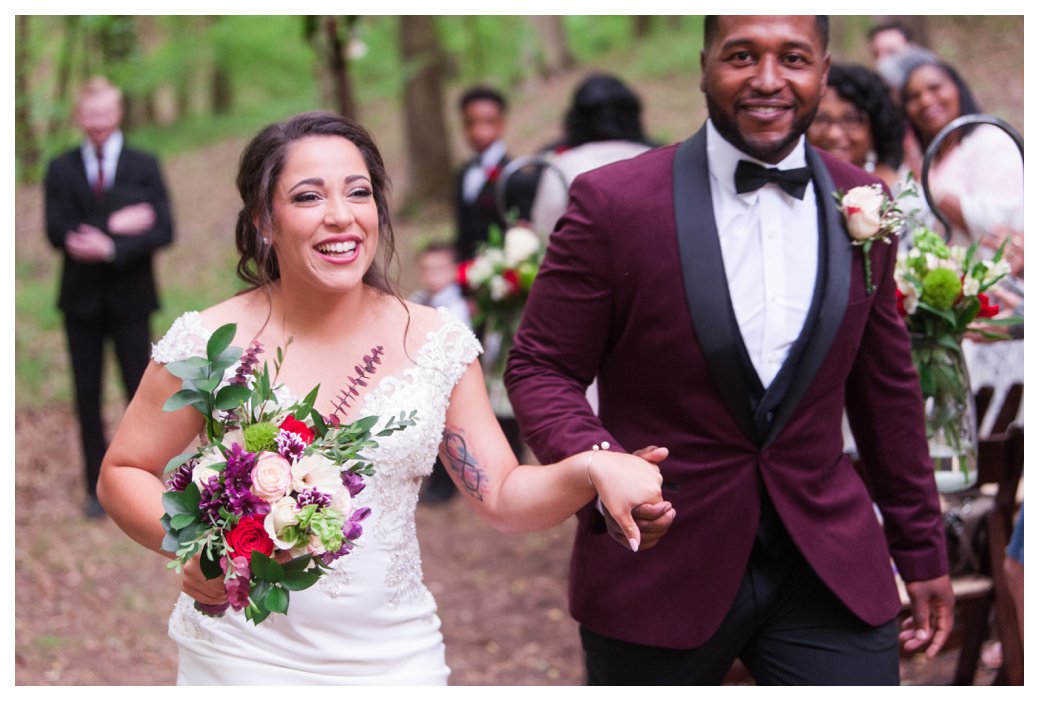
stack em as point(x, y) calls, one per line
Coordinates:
point(187, 337)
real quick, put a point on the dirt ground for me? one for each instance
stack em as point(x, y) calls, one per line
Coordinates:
point(91, 605)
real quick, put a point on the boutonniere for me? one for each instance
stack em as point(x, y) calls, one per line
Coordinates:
point(493, 174)
point(869, 216)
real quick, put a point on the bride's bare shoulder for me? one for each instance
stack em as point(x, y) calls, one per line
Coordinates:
point(249, 310)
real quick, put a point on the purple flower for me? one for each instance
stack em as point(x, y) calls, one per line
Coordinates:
point(352, 530)
point(238, 482)
point(181, 477)
point(312, 496)
point(354, 483)
point(290, 445)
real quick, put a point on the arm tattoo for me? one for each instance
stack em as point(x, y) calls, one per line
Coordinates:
point(464, 463)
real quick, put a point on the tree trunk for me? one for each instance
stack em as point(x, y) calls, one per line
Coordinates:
point(27, 149)
point(555, 52)
point(339, 65)
point(429, 158)
point(641, 25)
point(63, 101)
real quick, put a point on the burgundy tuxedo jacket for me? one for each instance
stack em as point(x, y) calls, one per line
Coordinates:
point(633, 291)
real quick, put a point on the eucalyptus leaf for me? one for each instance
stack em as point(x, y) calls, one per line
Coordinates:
point(170, 543)
point(220, 340)
point(183, 398)
point(179, 460)
point(297, 581)
point(182, 520)
point(232, 396)
point(189, 368)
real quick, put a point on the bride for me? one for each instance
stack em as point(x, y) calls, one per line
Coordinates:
point(315, 243)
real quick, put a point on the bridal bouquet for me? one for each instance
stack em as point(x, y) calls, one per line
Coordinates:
point(266, 502)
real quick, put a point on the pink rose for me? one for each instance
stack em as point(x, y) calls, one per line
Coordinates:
point(272, 477)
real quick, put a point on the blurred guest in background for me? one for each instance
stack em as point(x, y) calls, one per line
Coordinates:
point(976, 179)
point(858, 122)
point(108, 212)
point(602, 125)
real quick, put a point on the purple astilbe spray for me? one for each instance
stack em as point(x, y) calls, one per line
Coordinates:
point(352, 530)
point(181, 477)
point(246, 366)
point(362, 373)
point(290, 445)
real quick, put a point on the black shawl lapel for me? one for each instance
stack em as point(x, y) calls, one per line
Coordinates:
point(835, 267)
point(706, 288)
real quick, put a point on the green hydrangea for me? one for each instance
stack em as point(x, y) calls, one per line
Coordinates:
point(261, 437)
point(941, 288)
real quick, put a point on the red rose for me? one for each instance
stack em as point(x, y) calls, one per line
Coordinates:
point(900, 299)
point(247, 536)
point(463, 274)
point(493, 175)
point(512, 280)
point(294, 425)
point(987, 311)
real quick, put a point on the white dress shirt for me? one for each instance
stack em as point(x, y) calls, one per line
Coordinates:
point(476, 175)
point(110, 151)
point(770, 247)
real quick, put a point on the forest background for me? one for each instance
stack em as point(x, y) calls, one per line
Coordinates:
point(90, 604)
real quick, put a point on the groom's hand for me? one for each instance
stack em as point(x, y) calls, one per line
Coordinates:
point(653, 520)
point(931, 604)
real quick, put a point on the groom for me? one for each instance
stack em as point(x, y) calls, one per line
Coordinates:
point(726, 316)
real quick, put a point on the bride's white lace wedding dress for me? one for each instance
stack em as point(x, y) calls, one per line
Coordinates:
point(371, 620)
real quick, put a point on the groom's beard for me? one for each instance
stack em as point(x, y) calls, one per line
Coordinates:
point(770, 152)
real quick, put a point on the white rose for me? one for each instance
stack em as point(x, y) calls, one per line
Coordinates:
point(233, 436)
point(520, 244)
point(283, 514)
point(341, 501)
point(480, 271)
point(272, 476)
point(316, 472)
point(861, 207)
point(499, 288)
point(910, 300)
point(204, 469)
point(971, 286)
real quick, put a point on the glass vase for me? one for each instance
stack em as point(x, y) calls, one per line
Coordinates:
point(952, 427)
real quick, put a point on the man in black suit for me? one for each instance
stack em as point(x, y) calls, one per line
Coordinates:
point(108, 212)
point(483, 112)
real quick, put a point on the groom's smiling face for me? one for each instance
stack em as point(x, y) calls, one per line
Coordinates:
point(763, 77)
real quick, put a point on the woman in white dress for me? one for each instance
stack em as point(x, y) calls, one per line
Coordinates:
point(315, 243)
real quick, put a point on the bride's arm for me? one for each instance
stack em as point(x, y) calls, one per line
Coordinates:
point(516, 497)
point(131, 486)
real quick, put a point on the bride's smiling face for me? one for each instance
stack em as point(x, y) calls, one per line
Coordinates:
point(326, 224)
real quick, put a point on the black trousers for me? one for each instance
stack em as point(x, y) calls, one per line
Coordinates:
point(786, 627)
point(86, 343)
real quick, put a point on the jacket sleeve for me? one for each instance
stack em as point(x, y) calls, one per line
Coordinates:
point(129, 250)
point(564, 333)
point(60, 211)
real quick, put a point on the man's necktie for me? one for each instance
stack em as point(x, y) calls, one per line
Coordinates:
point(99, 184)
point(750, 176)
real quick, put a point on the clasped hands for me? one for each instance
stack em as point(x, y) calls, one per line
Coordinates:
point(88, 244)
point(653, 520)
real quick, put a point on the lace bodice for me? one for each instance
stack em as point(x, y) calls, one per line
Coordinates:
point(385, 570)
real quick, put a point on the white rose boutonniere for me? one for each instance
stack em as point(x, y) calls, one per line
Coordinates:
point(870, 216)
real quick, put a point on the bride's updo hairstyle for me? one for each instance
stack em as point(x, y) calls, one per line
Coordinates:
point(260, 168)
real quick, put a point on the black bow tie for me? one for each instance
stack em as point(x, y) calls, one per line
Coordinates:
point(750, 176)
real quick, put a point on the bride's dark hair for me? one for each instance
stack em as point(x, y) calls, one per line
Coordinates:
point(260, 167)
